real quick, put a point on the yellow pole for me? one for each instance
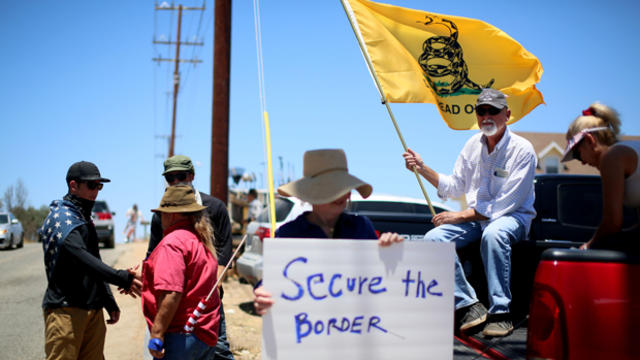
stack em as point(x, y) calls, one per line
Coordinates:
point(272, 204)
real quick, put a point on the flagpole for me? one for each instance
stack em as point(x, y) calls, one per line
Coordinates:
point(265, 125)
point(272, 200)
point(202, 305)
point(349, 11)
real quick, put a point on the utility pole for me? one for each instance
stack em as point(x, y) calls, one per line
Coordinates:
point(177, 61)
point(220, 111)
point(163, 137)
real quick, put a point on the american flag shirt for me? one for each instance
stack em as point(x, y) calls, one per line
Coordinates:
point(497, 183)
point(62, 219)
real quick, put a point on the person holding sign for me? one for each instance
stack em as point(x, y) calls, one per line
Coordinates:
point(593, 139)
point(327, 186)
point(179, 274)
point(495, 170)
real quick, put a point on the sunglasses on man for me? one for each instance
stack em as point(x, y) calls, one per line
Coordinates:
point(92, 185)
point(481, 111)
point(181, 176)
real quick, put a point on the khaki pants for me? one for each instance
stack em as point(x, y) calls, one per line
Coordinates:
point(74, 333)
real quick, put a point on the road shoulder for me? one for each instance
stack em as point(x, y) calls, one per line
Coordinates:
point(125, 339)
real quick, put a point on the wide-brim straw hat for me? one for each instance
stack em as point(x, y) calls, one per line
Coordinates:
point(326, 178)
point(179, 199)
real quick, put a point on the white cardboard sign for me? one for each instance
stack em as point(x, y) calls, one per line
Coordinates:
point(351, 299)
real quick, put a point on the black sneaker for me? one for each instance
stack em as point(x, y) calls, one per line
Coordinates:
point(498, 325)
point(472, 315)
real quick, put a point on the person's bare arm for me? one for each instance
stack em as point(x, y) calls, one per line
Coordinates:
point(612, 171)
point(412, 159)
point(262, 300)
point(388, 239)
point(168, 302)
point(457, 217)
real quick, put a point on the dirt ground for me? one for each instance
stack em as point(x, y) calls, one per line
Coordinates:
point(125, 339)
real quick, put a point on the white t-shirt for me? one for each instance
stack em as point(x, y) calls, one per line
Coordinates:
point(255, 207)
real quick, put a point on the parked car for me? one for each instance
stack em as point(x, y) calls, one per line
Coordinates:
point(388, 213)
point(11, 232)
point(409, 217)
point(249, 265)
point(103, 220)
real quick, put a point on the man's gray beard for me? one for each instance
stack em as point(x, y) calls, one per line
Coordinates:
point(489, 130)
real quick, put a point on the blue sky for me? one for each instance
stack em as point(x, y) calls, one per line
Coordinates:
point(79, 84)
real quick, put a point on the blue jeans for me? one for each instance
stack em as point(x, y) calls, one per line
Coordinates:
point(179, 346)
point(495, 248)
point(222, 347)
point(222, 350)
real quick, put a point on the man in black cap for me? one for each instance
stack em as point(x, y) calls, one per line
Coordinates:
point(179, 169)
point(495, 171)
point(78, 289)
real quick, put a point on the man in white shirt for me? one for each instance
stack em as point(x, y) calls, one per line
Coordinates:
point(495, 170)
point(255, 206)
point(133, 214)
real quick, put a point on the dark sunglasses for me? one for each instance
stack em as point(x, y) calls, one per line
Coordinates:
point(481, 111)
point(181, 176)
point(92, 185)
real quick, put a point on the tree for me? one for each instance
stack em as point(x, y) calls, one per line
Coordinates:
point(8, 198)
point(15, 197)
point(31, 220)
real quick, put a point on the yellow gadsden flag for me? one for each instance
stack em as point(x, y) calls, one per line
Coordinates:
point(445, 60)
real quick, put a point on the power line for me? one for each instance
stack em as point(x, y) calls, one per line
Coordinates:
point(195, 51)
point(177, 60)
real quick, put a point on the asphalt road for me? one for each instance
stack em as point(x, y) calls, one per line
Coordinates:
point(22, 285)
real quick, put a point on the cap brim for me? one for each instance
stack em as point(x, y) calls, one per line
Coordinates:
point(325, 188)
point(571, 144)
point(95, 178)
point(497, 106)
point(567, 156)
point(176, 168)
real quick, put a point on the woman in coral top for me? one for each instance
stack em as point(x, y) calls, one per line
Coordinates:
point(179, 273)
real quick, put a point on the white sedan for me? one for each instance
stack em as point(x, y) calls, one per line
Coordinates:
point(11, 233)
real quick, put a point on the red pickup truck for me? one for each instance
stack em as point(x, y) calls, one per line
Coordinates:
point(585, 305)
point(568, 303)
point(581, 305)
